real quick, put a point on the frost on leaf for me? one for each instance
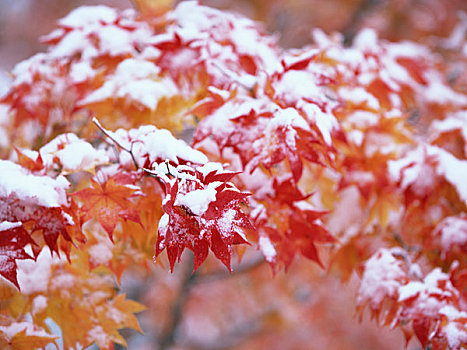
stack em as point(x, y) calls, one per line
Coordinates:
point(202, 212)
point(38, 200)
point(68, 153)
point(450, 236)
point(13, 239)
point(395, 291)
point(148, 145)
point(260, 132)
point(288, 225)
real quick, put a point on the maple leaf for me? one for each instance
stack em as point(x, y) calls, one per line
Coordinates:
point(202, 212)
point(40, 201)
point(31, 160)
point(13, 239)
point(23, 335)
point(288, 224)
point(107, 203)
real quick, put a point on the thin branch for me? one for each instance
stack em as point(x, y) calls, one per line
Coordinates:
point(106, 133)
point(160, 181)
point(178, 307)
point(247, 266)
point(189, 280)
point(235, 78)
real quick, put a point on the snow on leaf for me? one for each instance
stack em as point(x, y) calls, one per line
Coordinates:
point(39, 190)
point(70, 154)
point(13, 239)
point(201, 212)
point(150, 144)
point(383, 276)
point(34, 276)
point(39, 200)
point(452, 234)
point(455, 327)
point(135, 80)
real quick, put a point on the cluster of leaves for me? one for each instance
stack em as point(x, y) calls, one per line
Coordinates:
point(337, 151)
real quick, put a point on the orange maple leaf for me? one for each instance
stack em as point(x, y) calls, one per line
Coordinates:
point(107, 203)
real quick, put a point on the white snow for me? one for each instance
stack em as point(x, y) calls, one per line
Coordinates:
point(438, 92)
point(456, 334)
point(34, 189)
point(382, 278)
point(74, 43)
point(453, 121)
point(358, 95)
point(156, 144)
point(456, 329)
point(452, 313)
point(147, 92)
point(39, 304)
point(89, 15)
point(98, 335)
point(452, 169)
point(288, 117)
point(73, 153)
point(137, 80)
point(81, 71)
point(410, 290)
point(453, 232)
point(210, 167)
point(430, 297)
point(366, 40)
point(325, 122)
point(25, 70)
point(100, 253)
point(90, 31)
point(198, 200)
point(415, 170)
point(226, 223)
point(31, 330)
point(163, 222)
point(267, 249)
point(6, 225)
point(34, 276)
point(295, 85)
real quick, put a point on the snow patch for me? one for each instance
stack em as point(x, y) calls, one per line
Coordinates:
point(34, 276)
point(198, 200)
point(267, 249)
point(34, 189)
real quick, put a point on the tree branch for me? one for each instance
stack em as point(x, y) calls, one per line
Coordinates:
point(222, 274)
point(106, 133)
point(168, 338)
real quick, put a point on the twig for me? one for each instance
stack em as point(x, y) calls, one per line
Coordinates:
point(106, 133)
point(178, 307)
point(222, 274)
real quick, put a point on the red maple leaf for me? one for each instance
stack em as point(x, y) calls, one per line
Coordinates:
point(215, 222)
point(12, 243)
